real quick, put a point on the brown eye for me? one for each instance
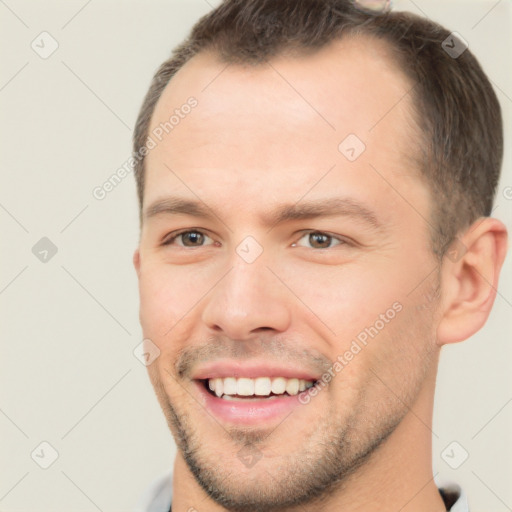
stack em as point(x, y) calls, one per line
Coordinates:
point(320, 240)
point(190, 238)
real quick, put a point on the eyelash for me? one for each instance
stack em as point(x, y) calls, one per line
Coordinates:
point(171, 239)
point(341, 240)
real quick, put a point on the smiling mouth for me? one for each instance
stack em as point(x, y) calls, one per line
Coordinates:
point(243, 388)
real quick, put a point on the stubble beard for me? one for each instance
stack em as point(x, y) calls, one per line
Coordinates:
point(336, 448)
point(308, 477)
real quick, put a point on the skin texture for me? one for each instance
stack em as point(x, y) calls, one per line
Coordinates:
point(261, 137)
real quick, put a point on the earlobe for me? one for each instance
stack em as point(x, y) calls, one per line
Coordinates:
point(136, 261)
point(469, 283)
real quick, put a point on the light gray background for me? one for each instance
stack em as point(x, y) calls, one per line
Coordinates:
point(69, 326)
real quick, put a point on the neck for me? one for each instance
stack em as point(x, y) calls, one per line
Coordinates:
point(398, 475)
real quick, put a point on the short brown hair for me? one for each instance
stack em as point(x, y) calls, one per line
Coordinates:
point(456, 108)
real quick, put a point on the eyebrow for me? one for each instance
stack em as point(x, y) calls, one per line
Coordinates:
point(176, 206)
point(336, 206)
point(303, 210)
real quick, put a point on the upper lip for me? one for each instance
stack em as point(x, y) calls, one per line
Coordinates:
point(251, 369)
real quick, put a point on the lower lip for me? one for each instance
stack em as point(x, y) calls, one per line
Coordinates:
point(248, 412)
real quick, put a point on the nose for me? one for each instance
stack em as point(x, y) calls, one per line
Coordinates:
point(247, 301)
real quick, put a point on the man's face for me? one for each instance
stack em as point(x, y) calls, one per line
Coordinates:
point(294, 257)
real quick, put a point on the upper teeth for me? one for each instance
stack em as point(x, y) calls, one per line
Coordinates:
point(261, 386)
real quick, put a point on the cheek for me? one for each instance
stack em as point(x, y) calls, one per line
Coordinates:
point(379, 376)
point(403, 351)
point(170, 298)
point(166, 290)
point(163, 301)
point(348, 298)
point(155, 301)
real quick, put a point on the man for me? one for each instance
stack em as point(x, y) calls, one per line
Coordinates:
point(315, 184)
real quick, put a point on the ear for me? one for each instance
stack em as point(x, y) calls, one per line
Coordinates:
point(136, 261)
point(469, 277)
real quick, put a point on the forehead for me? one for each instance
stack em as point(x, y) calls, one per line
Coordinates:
point(265, 125)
